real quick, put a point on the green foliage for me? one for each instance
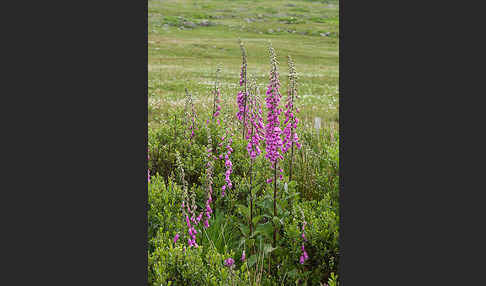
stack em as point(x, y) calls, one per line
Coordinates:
point(317, 164)
point(333, 280)
point(171, 264)
point(163, 209)
point(322, 232)
point(221, 235)
point(314, 189)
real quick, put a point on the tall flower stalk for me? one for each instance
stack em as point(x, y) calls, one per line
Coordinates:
point(217, 96)
point(209, 178)
point(227, 161)
point(255, 133)
point(190, 114)
point(254, 136)
point(304, 255)
point(188, 211)
point(290, 135)
point(272, 128)
point(242, 94)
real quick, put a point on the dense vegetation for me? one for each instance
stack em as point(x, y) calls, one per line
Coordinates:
point(234, 200)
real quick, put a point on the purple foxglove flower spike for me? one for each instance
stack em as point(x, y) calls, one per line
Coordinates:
point(272, 129)
point(290, 137)
point(304, 255)
point(228, 164)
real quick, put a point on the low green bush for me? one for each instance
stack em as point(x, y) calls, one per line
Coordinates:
point(322, 246)
point(174, 264)
point(314, 190)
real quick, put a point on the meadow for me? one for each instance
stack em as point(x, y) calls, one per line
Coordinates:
point(218, 214)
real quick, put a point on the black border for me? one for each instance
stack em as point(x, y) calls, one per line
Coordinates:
point(341, 150)
point(78, 189)
point(76, 178)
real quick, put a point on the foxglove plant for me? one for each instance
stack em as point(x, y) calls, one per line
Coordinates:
point(184, 190)
point(304, 255)
point(195, 221)
point(190, 114)
point(290, 137)
point(255, 133)
point(254, 136)
point(242, 94)
point(228, 164)
point(217, 96)
point(209, 175)
point(191, 210)
point(272, 129)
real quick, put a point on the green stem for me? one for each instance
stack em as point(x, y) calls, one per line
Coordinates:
point(275, 204)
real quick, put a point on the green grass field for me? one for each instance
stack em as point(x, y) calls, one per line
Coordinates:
point(189, 39)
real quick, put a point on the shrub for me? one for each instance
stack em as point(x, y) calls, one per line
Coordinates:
point(322, 246)
point(173, 264)
point(163, 209)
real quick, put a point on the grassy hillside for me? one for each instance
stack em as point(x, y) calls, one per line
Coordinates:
point(189, 39)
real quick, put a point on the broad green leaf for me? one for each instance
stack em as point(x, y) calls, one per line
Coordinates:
point(256, 219)
point(245, 230)
point(266, 229)
point(252, 260)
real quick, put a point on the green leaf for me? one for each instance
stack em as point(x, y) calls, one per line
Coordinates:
point(242, 241)
point(266, 229)
point(268, 248)
point(252, 260)
point(276, 220)
point(245, 230)
point(242, 210)
point(293, 274)
point(256, 219)
point(255, 233)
